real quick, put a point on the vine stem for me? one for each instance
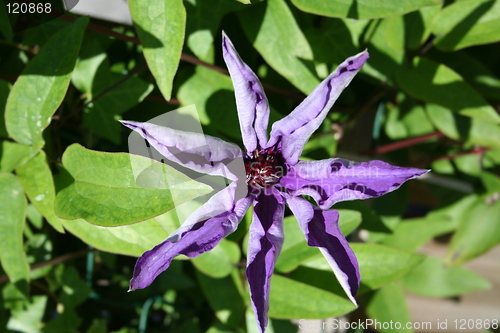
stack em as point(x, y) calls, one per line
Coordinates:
point(54, 261)
point(405, 143)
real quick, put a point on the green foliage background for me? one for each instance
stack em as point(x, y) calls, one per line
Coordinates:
point(428, 97)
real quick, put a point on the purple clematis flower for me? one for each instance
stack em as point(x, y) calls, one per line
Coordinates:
point(272, 176)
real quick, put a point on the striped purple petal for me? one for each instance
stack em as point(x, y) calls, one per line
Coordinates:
point(196, 151)
point(293, 131)
point(321, 229)
point(251, 100)
point(191, 240)
point(333, 180)
point(264, 246)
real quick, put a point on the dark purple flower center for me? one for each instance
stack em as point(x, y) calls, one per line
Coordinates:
point(265, 168)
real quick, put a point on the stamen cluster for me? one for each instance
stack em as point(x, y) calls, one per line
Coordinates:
point(265, 168)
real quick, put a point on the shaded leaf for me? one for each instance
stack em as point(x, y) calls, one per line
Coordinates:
point(474, 72)
point(467, 23)
point(387, 49)
point(40, 89)
point(36, 178)
point(295, 249)
point(94, 78)
point(362, 9)
point(406, 119)
point(160, 25)
point(4, 93)
point(12, 217)
point(458, 127)
point(203, 20)
point(220, 261)
point(478, 232)
point(388, 305)
point(438, 84)
point(278, 38)
point(418, 25)
point(105, 185)
point(432, 279)
point(224, 297)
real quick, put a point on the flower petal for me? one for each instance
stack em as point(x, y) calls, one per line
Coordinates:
point(251, 101)
point(293, 131)
point(321, 229)
point(333, 180)
point(198, 152)
point(264, 246)
point(191, 240)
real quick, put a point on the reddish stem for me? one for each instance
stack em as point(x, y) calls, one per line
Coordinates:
point(406, 143)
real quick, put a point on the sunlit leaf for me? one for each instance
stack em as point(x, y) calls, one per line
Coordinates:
point(112, 189)
point(362, 9)
point(40, 89)
point(160, 25)
point(378, 265)
point(305, 301)
point(467, 23)
point(472, 130)
point(438, 84)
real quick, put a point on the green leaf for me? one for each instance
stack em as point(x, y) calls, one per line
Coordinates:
point(291, 299)
point(203, 20)
point(101, 117)
point(74, 289)
point(41, 88)
point(224, 297)
point(13, 154)
point(410, 234)
point(93, 76)
point(471, 130)
point(12, 217)
point(478, 232)
point(362, 9)
point(4, 93)
point(334, 42)
point(418, 25)
point(491, 182)
point(473, 70)
point(406, 118)
point(378, 264)
point(106, 184)
point(438, 84)
point(28, 318)
point(387, 49)
point(132, 240)
point(295, 249)
point(432, 279)
point(160, 25)
point(467, 23)
point(280, 41)
point(213, 95)
point(36, 178)
point(220, 261)
point(388, 305)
